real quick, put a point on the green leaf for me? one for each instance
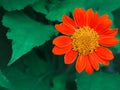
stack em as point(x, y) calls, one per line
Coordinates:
point(12, 5)
point(58, 8)
point(21, 81)
point(98, 81)
point(40, 6)
point(25, 33)
point(4, 82)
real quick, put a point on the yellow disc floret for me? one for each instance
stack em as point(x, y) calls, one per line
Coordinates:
point(85, 40)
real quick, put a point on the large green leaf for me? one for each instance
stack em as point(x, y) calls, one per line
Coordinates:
point(98, 81)
point(21, 81)
point(25, 33)
point(11, 5)
point(4, 82)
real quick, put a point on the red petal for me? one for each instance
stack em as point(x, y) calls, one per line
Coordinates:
point(79, 17)
point(95, 20)
point(62, 41)
point(103, 17)
point(104, 53)
point(102, 26)
point(89, 17)
point(68, 21)
point(70, 57)
point(102, 23)
point(59, 51)
point(101, 61)
point(88, 67)
point(81, 63)
point(94, 61)
point(64, 29)
point(108, 40)
point(100, 19)
point(111, 32)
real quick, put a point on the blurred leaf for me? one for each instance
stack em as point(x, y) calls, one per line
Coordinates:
point(58, 8)
point(98, 81)
point(40, 6)
point(103, 5)
point(2, 88)
point(59, 82)
point(21, 81)
point(35, 65)
point(12, 5)
point(25, 33)
point(4, 82)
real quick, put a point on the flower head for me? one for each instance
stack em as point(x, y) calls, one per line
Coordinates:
point(85, 39)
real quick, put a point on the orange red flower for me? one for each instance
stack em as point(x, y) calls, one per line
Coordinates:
point(85, 40)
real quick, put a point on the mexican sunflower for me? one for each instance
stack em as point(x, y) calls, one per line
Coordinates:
point(85, 39)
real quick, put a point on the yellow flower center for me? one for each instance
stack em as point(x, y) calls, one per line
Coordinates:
point(85, 40)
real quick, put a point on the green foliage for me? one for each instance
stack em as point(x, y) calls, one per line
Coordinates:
point(59, 82)
point(40, 6)
point(98, 81)
point(118, 45)
point(116, 15)
point(59, 8)
point(4, 82)
point(18, 79)
point(106, 5)
point(12, 5)
point(25, 33)
point(35, 76)
point(36, 66)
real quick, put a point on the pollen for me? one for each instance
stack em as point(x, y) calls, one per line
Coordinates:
point(85, 40)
